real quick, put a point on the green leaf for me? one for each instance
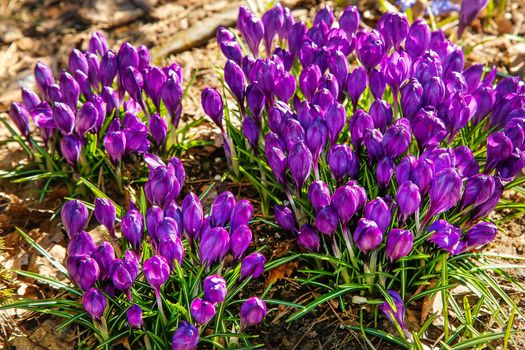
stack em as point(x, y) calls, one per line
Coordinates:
point(44, 253)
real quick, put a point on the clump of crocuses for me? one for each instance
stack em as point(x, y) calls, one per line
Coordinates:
point(163, 254)
point(105, 108)
point(382, 142)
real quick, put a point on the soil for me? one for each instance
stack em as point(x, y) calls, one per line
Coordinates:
point(47, 30)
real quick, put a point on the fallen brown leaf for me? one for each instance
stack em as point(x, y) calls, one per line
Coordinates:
point(284, 270)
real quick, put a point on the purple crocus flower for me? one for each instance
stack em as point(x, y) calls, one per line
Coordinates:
point(418, 38)
point(370, 48)
point(104, 256)
point(43, 77)
point(94, 303)
point(252, 266)
point(399, 243)
point(156, 271)
point(319, 195)
point(408, 199)
point(64, 117)
point(132, 226)
point(134, 316)
point(378, 211)
point(349, 20)
point(240, 240)
point(81, 243)
point(85, 118)
point(158, 128)
point(444, 193)
point(447, 236)
point(367, 235)
point(211, 102)
point(308, 239)
point(214, 289)
point(356, 84)
point(115, 144)
point(481, 234)
point(285, 218)
point(71, 147)
point(273, 20)
point(222, 208)
point(202, 311)
point(105, 213)
point(214, 245)
point(192, 215)
point(335, 118)
point(384, 171)
point(253, 312)
point(376, 82)
point(241, 214)
point(74, 216)
point(396, 70)
point(186, 337)
point(84, 269)
point(397, 314)
point(171, 95)
point(468, 12)
point(327, 220)
point(300, 164)
point(346, 201)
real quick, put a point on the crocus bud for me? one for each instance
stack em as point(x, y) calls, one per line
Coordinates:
point(408, 198)
point(345, 200)
point(359, 124)
point(367, 235)
point(231, 50)
point(285, 86)
point(327, 220)
point(377, 82)
point(108, 68)
point(373, 140)
point(240, 240)
point(251, 28)
point(186, 337)
point(211, 102)
point(377, 210)
point(411, 98)
point(428, 129)
point(381, 114)
point(481, 234)
point(445, 192)
point(399, 313)
point(94, 303)
point(370, 48)
point(447, 237)
point(399, 243)
point(397, 69)
point(86, 117)
point(338, 66)
point(316, 137)
point(44, 77)
point(396, 139)
point(251, 131)
point(86, 270)
point(468, 12)
point(277, 161)
point(309, 79)
point(30, 99)
point(285, 218)
point(384, 171)
point(214, 245)
point(342, 162)
point(241, 214)
point(98, 43)
point(171, 95)
point(319, 195)
point(202, 311)
point(123, 274)
point(356, 84)
point(134, 315)
point(418, 39)
point(64, 117)
point(132, 226)
point(295, 37)
point(77, 62)
point(70, 90)
point(273, 20)
point(70, 146)
point(171, 249)
point(478, 189)
point(308, 239)
point(81, 243)
point(234, 77)
point(335, 117)
point(104, 256)
point(300, 164)
point(499, 148)
point(115, 144)
point(253, 312)
point(20, 117)
point(252, 266)
point(214, 289)
point(158, 128)
point(156, 271)
point(105, 213)
point(167, 227)
point(222, 208)
point(192, 215)
point(74, 216)
point(162, 185)
point(423, 174)
point(349, 20)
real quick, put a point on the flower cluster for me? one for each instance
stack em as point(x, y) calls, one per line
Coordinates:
point(162, 246)
point(104, 101)
point(370, 157)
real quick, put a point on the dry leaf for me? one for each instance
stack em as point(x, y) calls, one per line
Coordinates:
point(284, 270)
